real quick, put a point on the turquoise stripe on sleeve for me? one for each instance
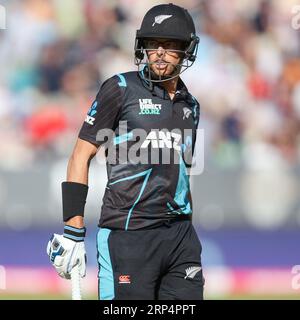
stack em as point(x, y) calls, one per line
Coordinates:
point(122, 82)
point(106, 276)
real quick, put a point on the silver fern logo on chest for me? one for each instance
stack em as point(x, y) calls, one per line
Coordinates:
point(186, 113)
point(148, 107)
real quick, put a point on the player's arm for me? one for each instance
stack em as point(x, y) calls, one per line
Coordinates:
point(67, 250)
point(103, 114)
point(77, 172)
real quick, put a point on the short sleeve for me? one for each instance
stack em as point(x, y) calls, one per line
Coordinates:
point(104, 112)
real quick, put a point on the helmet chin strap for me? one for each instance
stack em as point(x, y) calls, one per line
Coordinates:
point(160, 77)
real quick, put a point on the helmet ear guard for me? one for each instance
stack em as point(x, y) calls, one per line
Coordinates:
point(138, 48)
point(192, 49)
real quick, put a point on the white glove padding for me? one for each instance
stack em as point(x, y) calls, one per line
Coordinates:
point(64, 254)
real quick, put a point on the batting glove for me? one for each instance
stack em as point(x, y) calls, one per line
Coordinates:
point(68, 250)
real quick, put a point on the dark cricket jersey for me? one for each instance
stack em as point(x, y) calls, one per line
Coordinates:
point(149, 141)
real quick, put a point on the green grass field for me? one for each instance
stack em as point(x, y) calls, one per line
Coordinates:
point(231, 297)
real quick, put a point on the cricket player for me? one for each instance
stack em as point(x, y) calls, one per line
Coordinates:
point(147, 246)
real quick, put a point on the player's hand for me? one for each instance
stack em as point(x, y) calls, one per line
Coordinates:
point(68, 250)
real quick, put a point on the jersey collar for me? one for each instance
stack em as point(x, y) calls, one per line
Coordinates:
point(158, 90)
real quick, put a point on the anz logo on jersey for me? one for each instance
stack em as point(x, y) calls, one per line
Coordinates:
point(162, 139)
point(91, 113)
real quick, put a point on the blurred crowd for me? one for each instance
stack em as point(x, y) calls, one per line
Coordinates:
point(55, 54)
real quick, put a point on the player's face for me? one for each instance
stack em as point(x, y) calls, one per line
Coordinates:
point(164, 55)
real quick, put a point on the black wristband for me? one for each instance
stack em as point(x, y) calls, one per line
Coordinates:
point(73, 199)
point(75, 234)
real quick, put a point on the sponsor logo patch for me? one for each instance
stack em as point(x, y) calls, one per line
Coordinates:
point(162, 139)
point(124, 278)
point(90, 117)
point(148, 107)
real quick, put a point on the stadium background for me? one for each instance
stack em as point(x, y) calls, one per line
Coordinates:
point(55, 54)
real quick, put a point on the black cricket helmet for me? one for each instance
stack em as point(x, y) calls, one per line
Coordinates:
point(167, 21)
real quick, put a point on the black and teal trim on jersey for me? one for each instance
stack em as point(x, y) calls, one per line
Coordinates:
point(196, 111)
point(122, 82)
point(141, 174)
point(144, 194)
point(182, 191)
point(105, 275)
point(122, 138)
